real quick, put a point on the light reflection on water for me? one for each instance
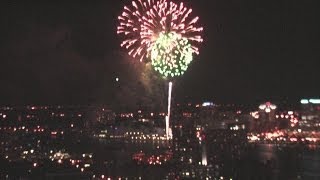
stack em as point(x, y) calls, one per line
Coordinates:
point(267, 152)
point(291, 161)
point(263, 161)
point(115, 158)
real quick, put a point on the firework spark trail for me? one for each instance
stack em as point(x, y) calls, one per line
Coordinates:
point(169, 133)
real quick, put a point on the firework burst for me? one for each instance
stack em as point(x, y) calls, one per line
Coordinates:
point(143, 22)
point(171, 54)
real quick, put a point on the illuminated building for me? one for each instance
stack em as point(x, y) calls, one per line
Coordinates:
point(265, 118)
point(310, 114)
point(185, 142)
point(105, 116)
point(207, 118)
point(267, 110)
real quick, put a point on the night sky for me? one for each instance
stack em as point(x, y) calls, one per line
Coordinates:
point(68, 53)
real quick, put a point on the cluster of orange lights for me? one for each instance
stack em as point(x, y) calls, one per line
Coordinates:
point(38, 129)
point(142, 158)
point(126, 115)
point(131, 115)
point(284, 136)
point(106, 177)
point(55, 133)
point(290, 115)
point(82, 165)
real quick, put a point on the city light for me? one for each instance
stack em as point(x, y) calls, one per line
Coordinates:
point(314, 101)
point(267, 107)
point(310, 101)
point(206, 104)
point(189, 143)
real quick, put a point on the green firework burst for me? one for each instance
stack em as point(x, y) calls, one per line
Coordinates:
point(171, 54)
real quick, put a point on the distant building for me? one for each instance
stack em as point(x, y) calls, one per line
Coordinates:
point(207, 112)
point(310, 114)
point(267, 112)
point(222, 117)
point(264, 118)
point(105, 116)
